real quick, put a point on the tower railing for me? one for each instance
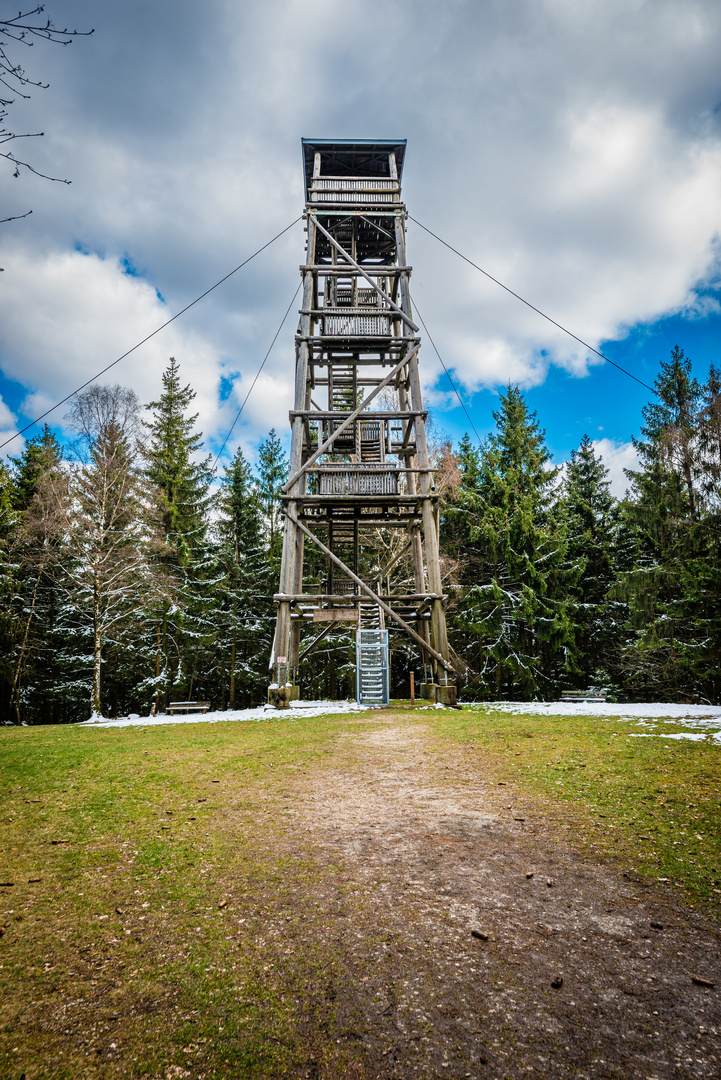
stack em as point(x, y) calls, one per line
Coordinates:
point(355, 189)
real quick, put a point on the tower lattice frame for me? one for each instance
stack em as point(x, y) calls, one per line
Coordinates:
point(360, 465)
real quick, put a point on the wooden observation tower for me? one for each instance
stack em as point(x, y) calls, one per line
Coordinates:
point(359, 467)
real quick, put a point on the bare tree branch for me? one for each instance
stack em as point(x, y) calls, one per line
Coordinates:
point(16, 217)
point(22, 29)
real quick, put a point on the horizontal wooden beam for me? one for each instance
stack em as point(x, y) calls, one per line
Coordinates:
point(342, 598)
point(357, 339)
point(344, 271)
point(404, 521)
point(359, 382)
point(318, 414)
point(341, 312)
point(363, 468)
point(389, 209)
point(366, 499)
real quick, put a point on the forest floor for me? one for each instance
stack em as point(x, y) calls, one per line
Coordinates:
point(402, 893)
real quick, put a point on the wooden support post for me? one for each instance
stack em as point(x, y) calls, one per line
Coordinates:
point(430, 532)
point(292, 559)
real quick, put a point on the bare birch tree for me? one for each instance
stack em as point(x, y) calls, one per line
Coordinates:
point(103, 511)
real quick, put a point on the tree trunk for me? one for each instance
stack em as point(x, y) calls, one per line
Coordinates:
point(14, 696)
point(231, 699)
point(97, 661)
point(97, 657)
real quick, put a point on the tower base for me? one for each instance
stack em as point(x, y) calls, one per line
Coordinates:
point(280, 697)
point(443, 693)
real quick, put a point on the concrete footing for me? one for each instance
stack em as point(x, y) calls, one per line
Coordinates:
point(281, 696)
point(443, 693)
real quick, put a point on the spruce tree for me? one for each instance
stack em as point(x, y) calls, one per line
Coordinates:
point(183, 630)
point(710, 440)
point(41, 455)
point(181, 480)
point(8, 576)
point(515, 608)
point(33, 644)
point(673, 588)
point(591, 517)
point(247, 612)
point(272, 474)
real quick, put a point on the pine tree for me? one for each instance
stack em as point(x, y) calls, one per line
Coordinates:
point(247, 612)
point(181, 480)
point(32, 646)
point(8, 575)
point(515, 607)
point(462, 472)
point(591, 516)
point(673, 589)
point(40, 456)
point(710, 440)
point(272, 474)
point(183, 629)
point(672, 426)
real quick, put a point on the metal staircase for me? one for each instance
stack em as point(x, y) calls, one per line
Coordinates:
point(372, 681)
point(343, 542)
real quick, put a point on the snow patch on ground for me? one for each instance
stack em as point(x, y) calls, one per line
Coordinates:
point(704, 719)
point(262, 712)
point(607, 709)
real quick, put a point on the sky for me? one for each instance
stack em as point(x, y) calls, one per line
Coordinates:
point(571, 148)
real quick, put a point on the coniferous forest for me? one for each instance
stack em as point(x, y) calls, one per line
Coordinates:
point(130, 577)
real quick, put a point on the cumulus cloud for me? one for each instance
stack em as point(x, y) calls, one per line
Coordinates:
point(8, 422)
point(68, 314)
point(617, 457)
point(573, 150)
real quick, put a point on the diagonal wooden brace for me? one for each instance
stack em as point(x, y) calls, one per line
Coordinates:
point(316, 641)
point(396, 559)
point(369, 592)
point(350, 419)
point(399, 311)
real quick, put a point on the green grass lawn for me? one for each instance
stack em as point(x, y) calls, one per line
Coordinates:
point(152, 891)
point(163, 918)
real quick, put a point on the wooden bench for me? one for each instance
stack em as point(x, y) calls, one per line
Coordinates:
point(583, 695)
point(188, 706)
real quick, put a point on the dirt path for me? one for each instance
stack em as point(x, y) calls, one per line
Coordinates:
point(574, 970)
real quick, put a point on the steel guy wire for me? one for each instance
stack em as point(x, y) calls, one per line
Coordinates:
point(435, 348)
point(149, 336)
point(532, 306)
point(257, 374)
